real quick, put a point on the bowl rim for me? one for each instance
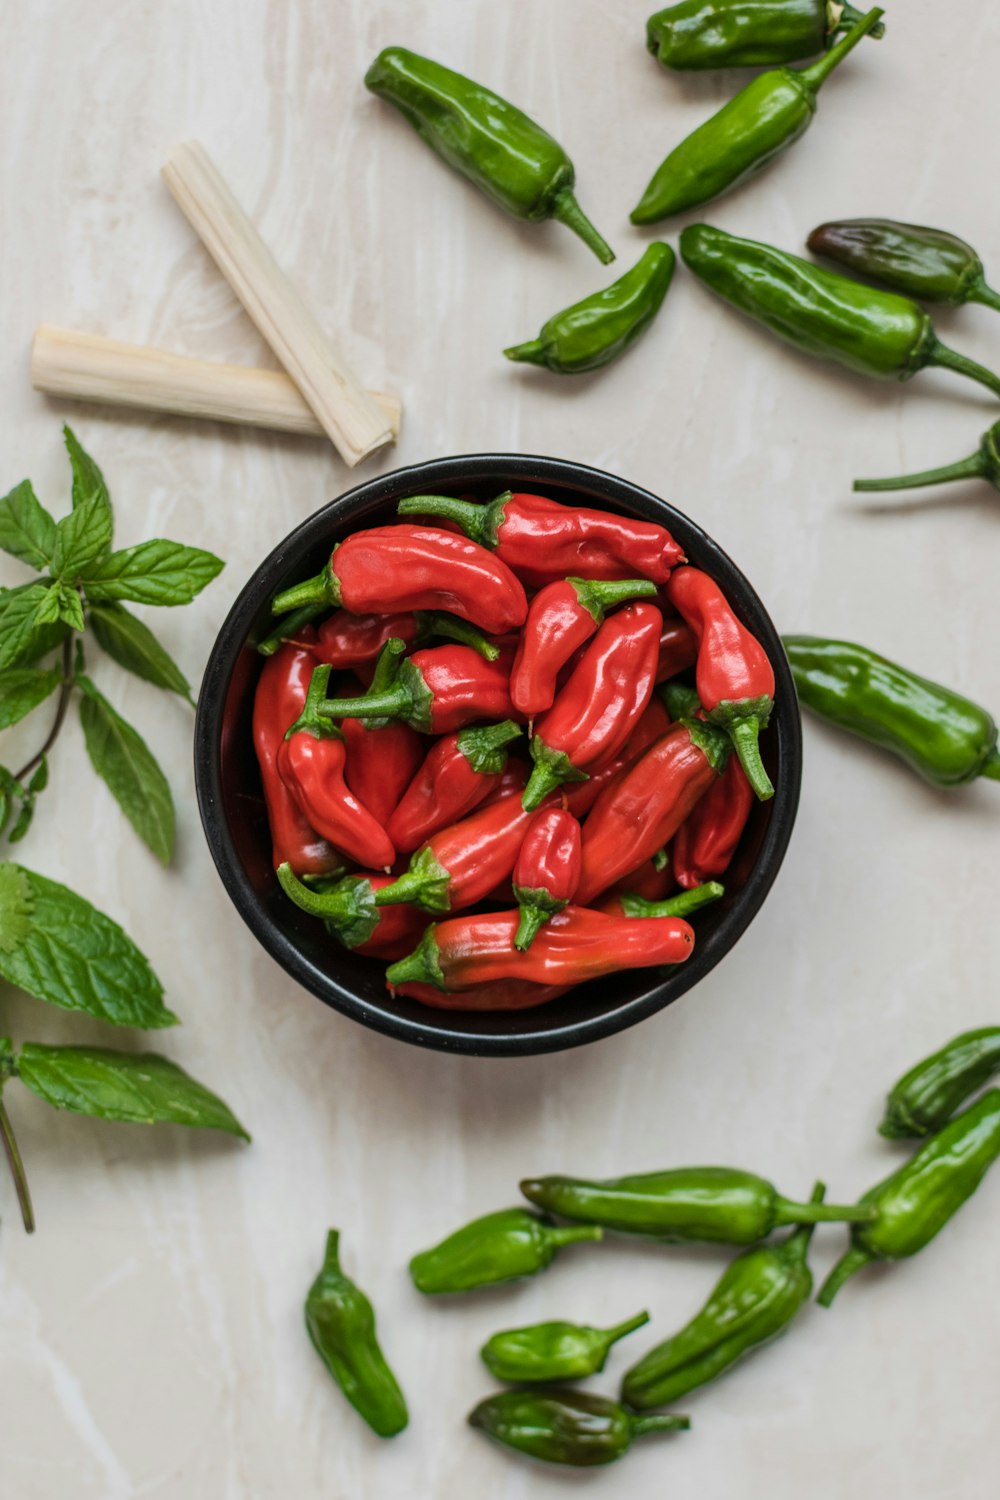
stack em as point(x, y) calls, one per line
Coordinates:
point(439, 1031)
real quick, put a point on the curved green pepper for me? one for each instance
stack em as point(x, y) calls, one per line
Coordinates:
point(491, 142)
point(915, 1203)
point(554, 1351)
point(498, 1247)
point(754, 1301)
point(698, 34)
point(945, 737)
point(341, 1325)
point(928, 264)
point(566, 1427)
point(597, 330)
point(926, 1097)
point(717, 1204)
point(821, 312)
point(983, 464)
point(761, 121)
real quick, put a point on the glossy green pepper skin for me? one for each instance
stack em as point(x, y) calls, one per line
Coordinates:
point(820, 312)
point(983, 464)
point(498, 1247)
point(927, 264)
point(491, 142)
point(761, 121)
point(944, 737)
point(926, 1097)
point(716, 1204)
point(553, 1351)
point(917, 1201)
point(698, 34)
point(599, 329)
point(566, 1427)
point(754, 1301)
point(341, 1325)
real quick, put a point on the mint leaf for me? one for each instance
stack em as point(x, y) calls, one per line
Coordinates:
point(157, 572)
point(40, 641)
point(70, 606)
point(15, 908)
point(27, 531)
point(88, 480)
point(134, 647)
point(74, 956)
point(23, 689)
point(82, 538)
point(121, 757)
point(23, 821)
point(18, 619)
point(142, 1088)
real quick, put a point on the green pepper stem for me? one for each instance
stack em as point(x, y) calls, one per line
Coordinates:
point(973, 467)
point(598, 596)
point(474, 519)
point(991, 767)
point(744, 735)
point(820, 70)
point(950, 359)
point(310, 720)
point(532, 920)
point(437, 622)
point(981, 292)
point(530, 353)
point(422, 966)
point(659, 1422)
point(798, 1243)
point(331, 1254)
point(426, 883)
point(570, 1234)
point(629, 1326)
point(17, 1171)
point(485, 748)
point(843, 17)
point(326, 904)
point(391, 704)
point(788, 1212)
point(290, 627)
point(847, 1266)
point(681, 905)
point(566, 209)
point(323, 591)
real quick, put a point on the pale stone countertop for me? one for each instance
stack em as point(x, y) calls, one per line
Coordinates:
point(151, 1339)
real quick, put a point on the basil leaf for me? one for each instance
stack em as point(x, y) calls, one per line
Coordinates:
point(157, 572)
point(134, 647)
point(88, 480)
point(23, 689)
point(27, 531)
point(18, 619)
point(142, 1088)
point(83, 538)
point(67, 952)
point(121, 757)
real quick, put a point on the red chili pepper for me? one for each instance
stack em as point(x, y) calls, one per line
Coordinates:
point(574, 946)
point(280, 695)
point(390, 568)
point(345, 640)
point(706, 842)
point(684, 904)
point(678, 649)
point(457, 774)
point(547, 872)
point(561, 618)
point(514, 779)
point(653, 880)
point(348, 908)
point(381, 763)
point(542, 540)
point(734, 678)
point(601, 703)
point(504, 994)
point(654, 723)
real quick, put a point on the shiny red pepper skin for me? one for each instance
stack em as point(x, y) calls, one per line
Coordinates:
point(503, 994)
point(313, 771)
point(678, 649)
point(461, 865)
point(381, 763)
point(547, 872)
point(654, 723)
point(562, 617)
point(456, 775)
point(706, 842)
point(436, 691)
point(345, 640)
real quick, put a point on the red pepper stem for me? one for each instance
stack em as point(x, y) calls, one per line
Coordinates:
point(530, 353)
point(973, 467)
point(660, 1422)
point(323, 591)
point(820, 71)
point(480, 522)
point(437, 622)
point(597, 597)
point(950, 359)
point(329, 905)
point(422, 966)
point(847, 1266)
point(290, 627)
point(566, 209)
point(552, 768)
point(484, 749)
point(991, 767)
point(426, 883)
point(984, 294)
point(533, 919)
point(681, 905)
point(310, 720)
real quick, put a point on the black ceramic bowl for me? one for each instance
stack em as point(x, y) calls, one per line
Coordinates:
point(232, 807)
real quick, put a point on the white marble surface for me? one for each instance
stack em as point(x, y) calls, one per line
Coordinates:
point(150, 1332)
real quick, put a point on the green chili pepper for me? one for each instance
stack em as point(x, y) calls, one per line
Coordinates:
point(341, 1324)
point(491, 142)
point(917, 1201)
point(821, 312)
point(945, 737)
point(498, 1247)
point(754, 1301)
point(926, 1097)
point(761, 121)
point(928, 264)
point(554, 1351)
point(984, 464)
point(566, 1427)
point(699, 34)
point(597, 330)
point(716, 1204)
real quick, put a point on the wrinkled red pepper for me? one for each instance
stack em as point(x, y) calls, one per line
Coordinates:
point(706, 842)
point(547, 872)
point(503, 994)
point(654, 723)
point(456, 775)
point(349, 911)
point(562, 617)
point(678, 649)
point(345, 640)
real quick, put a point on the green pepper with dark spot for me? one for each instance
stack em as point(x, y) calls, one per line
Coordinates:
point(491, 142)
point(758, 124)
point(915, 1203)
point(698, 34)
point(567, 1427)
point(930, 265)
point(599, 329)
point(983, 464)
point(946, 738)
point(821, 312)
point(554, 1351)
point(498, 1247)
point(926, 1097)
point(341, 1325)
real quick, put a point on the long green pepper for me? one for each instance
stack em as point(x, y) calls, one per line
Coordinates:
point(567, 1427)
point(554, 1351)
point(501, 1246)
point(699, 34)
point(926, 1097)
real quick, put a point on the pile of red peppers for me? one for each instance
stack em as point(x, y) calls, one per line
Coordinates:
point(507, 748)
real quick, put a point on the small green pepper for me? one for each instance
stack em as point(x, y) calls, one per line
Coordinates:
point(554, 1351)
point(926, 1097)
point(341, 1324)
point(916, 1202)
point(983, 464)
point(566, 1427)
point(698, 34)
point(946, 738)
point(597, 330)
point(754, 1301)
point(491, 142)
point(498, 1247)
point(927, 264)
point(821, 312)
point(760, 122)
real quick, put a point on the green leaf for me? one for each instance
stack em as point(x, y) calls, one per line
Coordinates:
point(18, 619)
point(23, 821)
point(70, 606)
point(15, 908)
point(121, 757)
point(74, 956)
point(83, 538)
point(142, 1088)
point(41, 641)
point(27, 531)
point(40, 780)
point(22, 689)
point(157, 572)
point(134, 647)
point(88, 480)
